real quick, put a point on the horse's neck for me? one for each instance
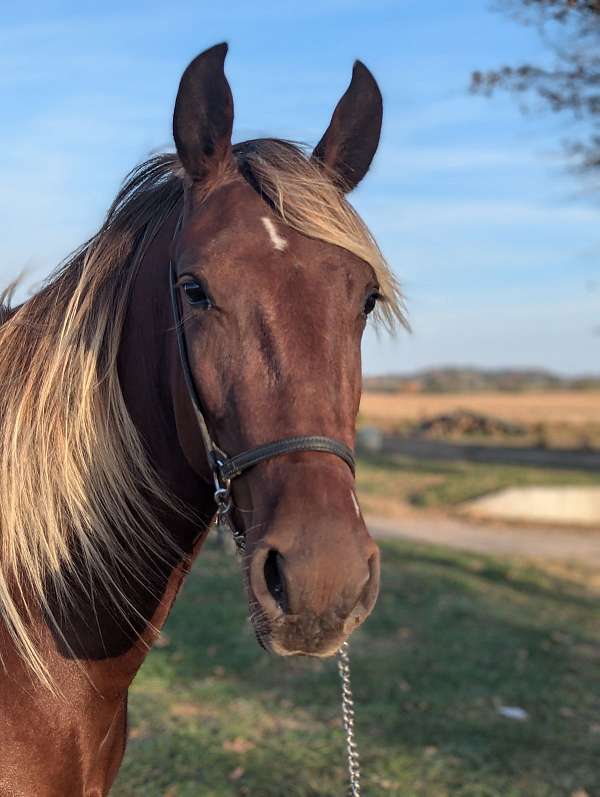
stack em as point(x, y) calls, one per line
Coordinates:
point(72, 743)
point(152, 380)
point(146, 362)
point(91, 652)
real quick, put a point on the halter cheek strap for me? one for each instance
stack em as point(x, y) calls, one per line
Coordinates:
point(225, 468)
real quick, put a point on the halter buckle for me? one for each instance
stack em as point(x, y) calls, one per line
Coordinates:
point(222, 494)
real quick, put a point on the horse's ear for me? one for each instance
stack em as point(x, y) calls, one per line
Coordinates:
point(351, 140)
point(203, 117)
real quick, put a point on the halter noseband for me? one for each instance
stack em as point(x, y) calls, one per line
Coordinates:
point(223, 467)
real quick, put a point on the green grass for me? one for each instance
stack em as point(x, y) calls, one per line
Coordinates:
point(452, 637)
point(425, 483)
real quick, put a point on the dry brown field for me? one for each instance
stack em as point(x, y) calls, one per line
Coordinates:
point(569, 407)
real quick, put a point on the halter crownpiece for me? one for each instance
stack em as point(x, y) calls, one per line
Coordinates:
point(225, 468)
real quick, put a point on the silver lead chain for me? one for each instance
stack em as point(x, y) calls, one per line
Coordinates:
point(222, 521)
point(348, 720)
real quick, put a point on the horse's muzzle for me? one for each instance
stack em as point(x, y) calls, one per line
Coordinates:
point(299, 610)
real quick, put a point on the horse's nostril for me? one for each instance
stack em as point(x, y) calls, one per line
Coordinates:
point(274, 578)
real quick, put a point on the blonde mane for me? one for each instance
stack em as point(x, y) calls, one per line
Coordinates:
point(75, 480)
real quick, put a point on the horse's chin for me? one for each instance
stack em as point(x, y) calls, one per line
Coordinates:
point(323, 653)
point(282, 640)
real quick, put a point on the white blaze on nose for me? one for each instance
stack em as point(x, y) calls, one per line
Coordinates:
point(355, 502)
point(278, 242)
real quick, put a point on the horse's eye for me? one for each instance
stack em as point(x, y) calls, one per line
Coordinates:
point(196, 295)
point(371, 302)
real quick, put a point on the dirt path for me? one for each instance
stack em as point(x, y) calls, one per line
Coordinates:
point(559, 545)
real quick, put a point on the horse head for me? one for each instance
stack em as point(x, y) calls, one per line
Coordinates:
point(275, 276)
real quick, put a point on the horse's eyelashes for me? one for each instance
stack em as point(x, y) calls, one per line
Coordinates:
point(371, 302)
point(196, 295)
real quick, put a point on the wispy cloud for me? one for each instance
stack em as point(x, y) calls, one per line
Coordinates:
point(405, 215)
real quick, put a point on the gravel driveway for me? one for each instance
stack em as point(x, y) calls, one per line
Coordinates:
point(557, 544)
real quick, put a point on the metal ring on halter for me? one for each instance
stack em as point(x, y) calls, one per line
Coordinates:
point(223, 500)
point(222, 494)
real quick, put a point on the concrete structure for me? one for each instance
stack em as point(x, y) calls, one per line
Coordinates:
point(560, 505)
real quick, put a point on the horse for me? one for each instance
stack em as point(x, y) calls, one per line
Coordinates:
point(229, 287)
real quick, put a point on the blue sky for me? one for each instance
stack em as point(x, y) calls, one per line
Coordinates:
point(493, 241)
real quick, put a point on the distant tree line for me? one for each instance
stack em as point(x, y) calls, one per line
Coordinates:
point(474, 380)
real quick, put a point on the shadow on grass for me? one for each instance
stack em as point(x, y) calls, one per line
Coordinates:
point(523, 578)
point(452, 638)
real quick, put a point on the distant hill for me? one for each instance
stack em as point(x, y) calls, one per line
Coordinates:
point(474, 380)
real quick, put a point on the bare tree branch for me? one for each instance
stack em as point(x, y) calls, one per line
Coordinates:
point(571, 85)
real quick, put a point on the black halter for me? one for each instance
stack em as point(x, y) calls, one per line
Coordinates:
point(225, 468)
